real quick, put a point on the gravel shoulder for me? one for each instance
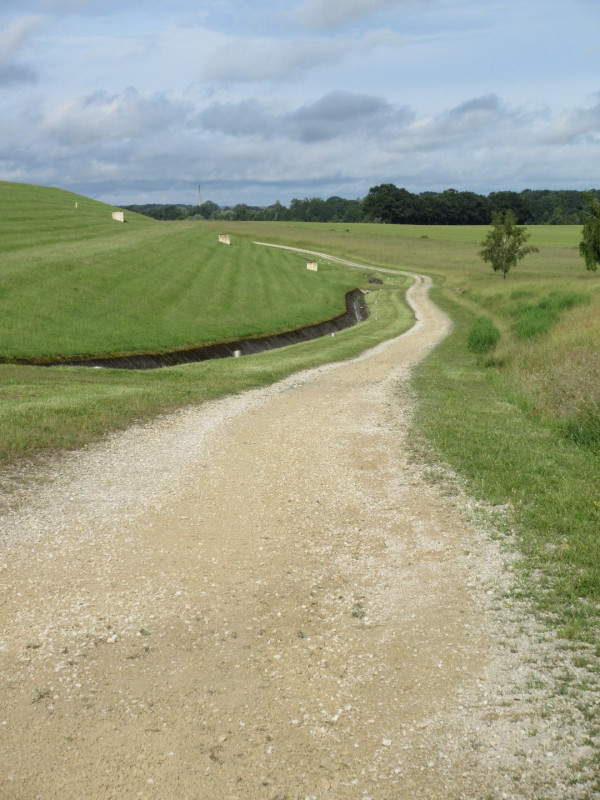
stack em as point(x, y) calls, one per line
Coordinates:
point(269, 597)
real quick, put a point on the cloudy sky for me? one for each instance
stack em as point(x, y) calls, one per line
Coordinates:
point(258, 100)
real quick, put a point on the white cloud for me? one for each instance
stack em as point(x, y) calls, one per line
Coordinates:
point(14, 38)
point(255, 60)
point(576, 125)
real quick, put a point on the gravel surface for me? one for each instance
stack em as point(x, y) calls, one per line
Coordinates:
point(271, 597)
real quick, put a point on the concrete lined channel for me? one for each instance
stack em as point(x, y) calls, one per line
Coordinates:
point(356, 311)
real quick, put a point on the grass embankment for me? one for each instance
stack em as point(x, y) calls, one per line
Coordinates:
point(519, 420)
point(73, 281)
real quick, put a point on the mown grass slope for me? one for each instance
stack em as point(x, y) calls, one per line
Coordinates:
point(75, 282)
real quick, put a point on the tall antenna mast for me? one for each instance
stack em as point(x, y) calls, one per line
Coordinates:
point(199, 195)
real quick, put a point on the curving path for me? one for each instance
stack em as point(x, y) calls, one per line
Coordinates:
point(263, 597)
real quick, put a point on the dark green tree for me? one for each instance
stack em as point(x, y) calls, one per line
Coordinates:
point(589, 247)
point(298, 210)
point(209, 210)
point(505, 244)
point(517, 203)
point(387, 203)
point(276, 212)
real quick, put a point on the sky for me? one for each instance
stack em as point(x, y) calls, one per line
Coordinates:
point(260, 101)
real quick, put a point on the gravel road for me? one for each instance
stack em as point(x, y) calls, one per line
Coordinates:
point(269, 597)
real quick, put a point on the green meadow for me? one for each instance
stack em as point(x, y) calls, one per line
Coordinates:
point(516, 416)
point(75, 282)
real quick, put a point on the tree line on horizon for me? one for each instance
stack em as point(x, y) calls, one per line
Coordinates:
point(389, 204)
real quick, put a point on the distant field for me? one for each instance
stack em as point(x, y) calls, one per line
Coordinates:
point(75, 282)
point(447, 251)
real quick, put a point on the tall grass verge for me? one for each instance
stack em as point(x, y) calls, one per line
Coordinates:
point(520, 461)
point(584, 428)
point(536, 319)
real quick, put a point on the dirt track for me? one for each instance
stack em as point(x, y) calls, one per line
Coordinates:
point(259, 598)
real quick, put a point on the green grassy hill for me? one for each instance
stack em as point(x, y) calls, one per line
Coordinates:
point(75, 282)
point(39, 216)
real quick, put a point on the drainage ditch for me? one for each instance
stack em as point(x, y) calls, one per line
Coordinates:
point(356, 311)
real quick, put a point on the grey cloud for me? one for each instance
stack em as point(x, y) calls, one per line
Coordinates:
point(238, 119)
point(332, 14)
point(16, 73)
point(342, 113)
point(337, 114)
point(489, 103)
point(340, 140)
point(340, 106)
point(104, 117)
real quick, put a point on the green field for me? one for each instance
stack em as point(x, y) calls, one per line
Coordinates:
point(520, 422)
point(75, 282)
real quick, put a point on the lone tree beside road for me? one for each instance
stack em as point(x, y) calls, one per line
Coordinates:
point(505, 244)
point(589, 246)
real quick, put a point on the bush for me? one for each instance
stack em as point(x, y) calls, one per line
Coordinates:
point(483, 336)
